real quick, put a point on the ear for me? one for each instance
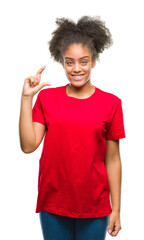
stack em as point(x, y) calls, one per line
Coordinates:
point(94, 63)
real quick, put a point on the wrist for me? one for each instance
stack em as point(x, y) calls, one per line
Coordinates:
point(116, 210)
point(26, 97)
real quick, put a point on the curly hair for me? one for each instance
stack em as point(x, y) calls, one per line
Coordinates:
point(88, 31)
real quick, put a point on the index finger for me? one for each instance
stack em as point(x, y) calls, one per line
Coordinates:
point(40, 70)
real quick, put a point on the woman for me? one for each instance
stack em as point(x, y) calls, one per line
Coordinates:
point(81, 125)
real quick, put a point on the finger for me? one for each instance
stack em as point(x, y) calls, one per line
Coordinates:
point(110, 227)
point(35, 80)
point(29, 79)
point(40, 70)
point(32, 81)
point(115, 230)
point(38, 87)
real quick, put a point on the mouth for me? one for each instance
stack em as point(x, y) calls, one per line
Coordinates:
point(77, 77)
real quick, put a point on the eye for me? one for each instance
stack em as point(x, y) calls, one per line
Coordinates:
point(84, 62)
point(69, 63)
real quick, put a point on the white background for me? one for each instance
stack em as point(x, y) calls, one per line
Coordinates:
point(26, 27)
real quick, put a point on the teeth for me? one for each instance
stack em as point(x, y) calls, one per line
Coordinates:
point(78, 77)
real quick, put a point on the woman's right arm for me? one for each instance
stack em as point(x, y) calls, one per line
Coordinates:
point(31, 133)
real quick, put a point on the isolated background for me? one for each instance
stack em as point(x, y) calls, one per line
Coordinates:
point(26, 27)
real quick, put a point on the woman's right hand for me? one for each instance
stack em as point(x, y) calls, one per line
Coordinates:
point(31, 84)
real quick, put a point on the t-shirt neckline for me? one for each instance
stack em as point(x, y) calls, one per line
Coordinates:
point(80, 99)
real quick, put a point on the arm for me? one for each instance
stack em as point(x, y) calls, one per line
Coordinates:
point(113, 168)
point(31, 133)
point(26, 128)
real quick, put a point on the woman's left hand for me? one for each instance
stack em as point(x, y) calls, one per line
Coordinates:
point(114, 223)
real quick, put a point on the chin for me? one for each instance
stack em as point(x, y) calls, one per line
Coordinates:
point(77, 84)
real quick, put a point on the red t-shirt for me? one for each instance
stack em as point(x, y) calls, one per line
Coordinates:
point(72, 178)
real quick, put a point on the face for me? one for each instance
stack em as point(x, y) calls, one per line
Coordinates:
point(77, 62)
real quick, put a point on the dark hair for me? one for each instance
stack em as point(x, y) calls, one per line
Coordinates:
point(89, 31)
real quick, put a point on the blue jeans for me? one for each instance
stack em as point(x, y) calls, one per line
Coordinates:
point(57, 227)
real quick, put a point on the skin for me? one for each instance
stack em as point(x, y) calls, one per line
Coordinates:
point(32, 133)
point(75, 63)
point(77, 60)
point(114, 171)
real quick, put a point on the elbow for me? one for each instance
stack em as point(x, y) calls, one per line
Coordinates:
point(24, 150)
point(28, 150)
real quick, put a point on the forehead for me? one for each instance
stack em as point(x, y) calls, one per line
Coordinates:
point(77, 51)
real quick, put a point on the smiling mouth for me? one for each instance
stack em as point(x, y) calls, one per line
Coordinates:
point(77, 77)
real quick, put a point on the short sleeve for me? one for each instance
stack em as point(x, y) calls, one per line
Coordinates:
point(37, 111)
point(116, 128)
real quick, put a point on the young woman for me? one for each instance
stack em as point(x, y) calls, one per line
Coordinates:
point(81, 125)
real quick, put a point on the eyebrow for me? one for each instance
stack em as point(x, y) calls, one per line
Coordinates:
point(80, 58)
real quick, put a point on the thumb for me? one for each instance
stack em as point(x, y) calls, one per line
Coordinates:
point(110, 227)
point(40, 86)
point(44, 84)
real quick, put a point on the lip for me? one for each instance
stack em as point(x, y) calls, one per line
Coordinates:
point(77, 76)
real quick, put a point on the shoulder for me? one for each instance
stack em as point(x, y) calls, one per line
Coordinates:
point(49, 91)
point(108, 97)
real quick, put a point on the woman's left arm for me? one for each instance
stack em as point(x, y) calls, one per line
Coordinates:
point(114, 170)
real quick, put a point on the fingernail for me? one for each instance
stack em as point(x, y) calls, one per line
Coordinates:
point(109, 231)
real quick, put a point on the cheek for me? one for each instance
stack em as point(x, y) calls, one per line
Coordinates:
point(68, 70)
point(87, 69)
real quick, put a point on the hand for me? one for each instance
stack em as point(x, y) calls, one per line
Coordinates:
point(31, 84)
point(114, 223)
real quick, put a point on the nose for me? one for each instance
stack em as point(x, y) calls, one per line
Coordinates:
point(76, 67)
